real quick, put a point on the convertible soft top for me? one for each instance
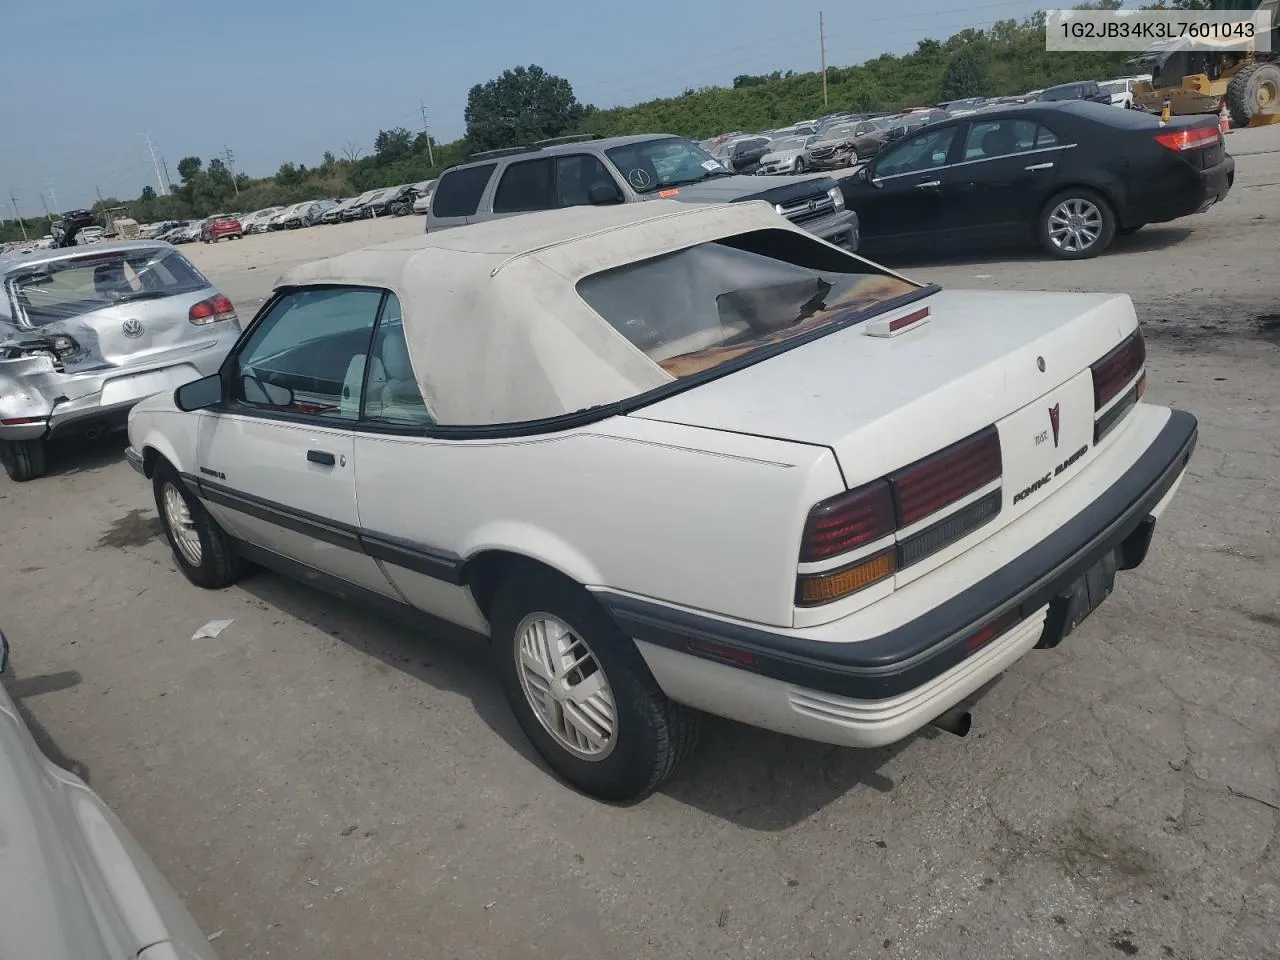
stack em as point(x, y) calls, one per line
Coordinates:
point(496, 330)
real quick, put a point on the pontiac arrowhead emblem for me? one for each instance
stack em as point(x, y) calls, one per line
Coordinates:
point(1053, 422)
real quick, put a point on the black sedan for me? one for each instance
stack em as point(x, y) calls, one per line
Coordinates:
point(1071, 175)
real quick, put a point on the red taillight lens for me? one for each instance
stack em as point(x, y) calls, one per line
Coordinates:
point(930, 484)
point(1117, 369)
point(848, 521)
point(1194, 138)
point(211, 311)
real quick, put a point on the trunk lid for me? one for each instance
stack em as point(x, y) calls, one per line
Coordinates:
point(882, 403)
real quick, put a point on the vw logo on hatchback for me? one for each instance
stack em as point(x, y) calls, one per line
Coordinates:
point(131, 328)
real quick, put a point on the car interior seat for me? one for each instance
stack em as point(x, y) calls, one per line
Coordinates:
point(999, 142)
point(399, 395)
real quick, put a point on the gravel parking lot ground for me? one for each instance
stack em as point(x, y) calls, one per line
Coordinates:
point(320, 783)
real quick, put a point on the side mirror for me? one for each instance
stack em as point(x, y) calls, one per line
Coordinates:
point(199, 394)
point(602, 194)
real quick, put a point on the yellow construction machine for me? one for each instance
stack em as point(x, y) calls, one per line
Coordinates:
point(1200, 80)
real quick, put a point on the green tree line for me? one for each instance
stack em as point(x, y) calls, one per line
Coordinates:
point(526, 103)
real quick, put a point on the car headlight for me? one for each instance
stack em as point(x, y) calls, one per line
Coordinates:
point(837, 198)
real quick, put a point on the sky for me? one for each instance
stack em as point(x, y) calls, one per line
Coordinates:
point(85, 82)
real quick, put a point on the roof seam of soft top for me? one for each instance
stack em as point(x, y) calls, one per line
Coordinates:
point(613, 228)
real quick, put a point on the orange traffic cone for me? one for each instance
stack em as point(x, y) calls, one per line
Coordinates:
point(1224, 118)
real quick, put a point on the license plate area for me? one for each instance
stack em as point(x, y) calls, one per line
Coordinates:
point(1073, 605)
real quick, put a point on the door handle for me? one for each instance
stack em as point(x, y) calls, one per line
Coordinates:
point(322, 457)
point(1039, 166)
point(928, 183)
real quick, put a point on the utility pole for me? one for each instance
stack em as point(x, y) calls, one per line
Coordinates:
point(45, 203)
point(230, 158)
point(53, 197)
point(167, 180)
point(822, 47)
point(164, 191)
point(431, 158)
point(23, 226)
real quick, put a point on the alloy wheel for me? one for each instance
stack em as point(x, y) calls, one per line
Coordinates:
point(1075, 225)
point(565, 686)
point(178, 517)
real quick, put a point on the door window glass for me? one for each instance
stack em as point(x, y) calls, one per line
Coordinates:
point(391, 393)
point(308, 353)
point(1046, 137)
point(526, 186)
point(924, 151)
point(577, 174)
point(999, 138)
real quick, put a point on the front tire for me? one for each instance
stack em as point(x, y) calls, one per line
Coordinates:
point(200, 547)
point(23, 459)
point(1254, 90)
point(799, 166)
point(581, 691)
point(1076, 224)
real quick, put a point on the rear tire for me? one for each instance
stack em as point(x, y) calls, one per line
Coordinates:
point(540, 619)
point(23, 459)
point(1076, 224)
point(1254, 89)
point(200, 547)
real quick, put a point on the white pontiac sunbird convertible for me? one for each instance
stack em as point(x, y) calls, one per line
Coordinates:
point(674, 458)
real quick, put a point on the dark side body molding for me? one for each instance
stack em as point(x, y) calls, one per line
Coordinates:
point(431, 562)
point(1118, 521)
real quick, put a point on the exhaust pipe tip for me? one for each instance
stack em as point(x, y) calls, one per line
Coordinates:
point(956, 722)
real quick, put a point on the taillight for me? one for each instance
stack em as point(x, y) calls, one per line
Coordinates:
point(848, 521)
point(1117, 369)
point(930, 484)
point(1189, 138)
point(213, 310)
point(877, 510)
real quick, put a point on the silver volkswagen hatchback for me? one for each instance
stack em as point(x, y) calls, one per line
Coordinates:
point(87, 332)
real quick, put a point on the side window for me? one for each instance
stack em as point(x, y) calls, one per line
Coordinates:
point(526, 186)
point(391, 393)
point(307, 355)
point(1046, 137)
point(577, 174)
point(925, 151)
point(998, 138)
point(459, 192)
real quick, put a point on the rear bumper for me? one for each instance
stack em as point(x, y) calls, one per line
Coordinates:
point(1203, 188)
point(53, 403)
point(877, 690)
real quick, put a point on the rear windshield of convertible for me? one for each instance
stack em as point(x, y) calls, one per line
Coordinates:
point(697, 308)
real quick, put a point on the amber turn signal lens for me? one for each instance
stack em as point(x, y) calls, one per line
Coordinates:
point(813, 589)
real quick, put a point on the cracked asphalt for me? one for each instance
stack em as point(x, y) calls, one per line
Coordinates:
point(320, 783)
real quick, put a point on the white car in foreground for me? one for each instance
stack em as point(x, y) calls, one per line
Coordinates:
point(671, 457)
